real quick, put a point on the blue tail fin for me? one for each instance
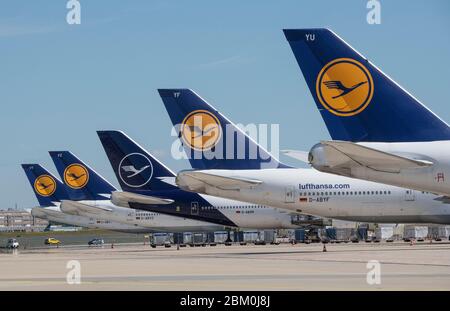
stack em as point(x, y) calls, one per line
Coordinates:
point(135, 168)
point(210, 140)
point(81, 181)
point(357, 101)
point(47, 188)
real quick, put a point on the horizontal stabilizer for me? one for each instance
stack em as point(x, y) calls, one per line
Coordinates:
point(349, 155)
point(122, 198)
point(196, 180)
point(73, 208)
point(40, 212)
point(444, 199)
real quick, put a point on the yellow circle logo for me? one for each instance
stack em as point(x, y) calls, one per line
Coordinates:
point(344, 87)
point(45, 185)
point(201, 130)
point(76, 176)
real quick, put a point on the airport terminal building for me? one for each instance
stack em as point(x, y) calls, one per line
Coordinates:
point(20, 220)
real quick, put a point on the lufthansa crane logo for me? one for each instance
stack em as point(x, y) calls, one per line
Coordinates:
point(76, 176)
point(201, 130)
point(344, 87)
point(45, 185)
point(135, 170)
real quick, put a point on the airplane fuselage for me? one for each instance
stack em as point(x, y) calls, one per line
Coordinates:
point(233, 214)
point(54, 213)
point(153, 222)
point(311, 192)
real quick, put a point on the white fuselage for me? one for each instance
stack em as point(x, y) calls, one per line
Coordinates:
point(326, 195)
point(153, 222)
point(244, 215)
point(53, 213)
point(435, 178)
point(253, 215)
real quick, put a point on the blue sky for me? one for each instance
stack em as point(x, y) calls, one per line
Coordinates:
point(60, 83)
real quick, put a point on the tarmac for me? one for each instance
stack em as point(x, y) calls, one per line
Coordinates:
point(423, 266)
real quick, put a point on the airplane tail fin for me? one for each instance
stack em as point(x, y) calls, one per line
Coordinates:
point(47, 188)
point(210, 140)
point(81, 181)
point(357, 101)
point(135, 168)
